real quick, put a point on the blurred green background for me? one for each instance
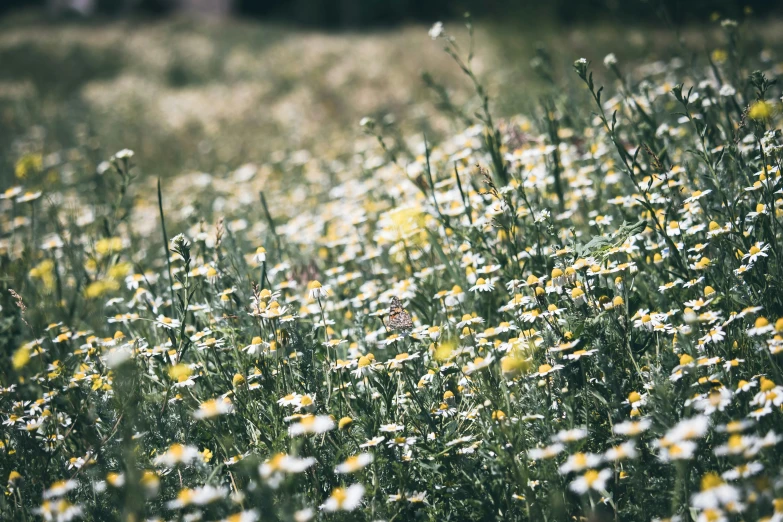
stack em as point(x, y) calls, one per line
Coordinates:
point(210, 85)
point(364, 13)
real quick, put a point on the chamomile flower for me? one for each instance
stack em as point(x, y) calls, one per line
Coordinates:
point(682, 450)
point(354, 463)
point(483, 285)
point(715, 493)
point(344, 499)
point(213, 408)
point(591, 479)
point(579, 462)
point(199, 496)
point(571, 435)
point(178, 454)
point(756, 252)
point(546, 452)
point(285, 464)
point(375, 441)
point(316, 291)
point(311, 424)
point(59, 510)
point(626, 450)
point(59, 488)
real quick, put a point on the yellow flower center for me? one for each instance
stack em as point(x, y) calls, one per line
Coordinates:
point(591, 477)
point(339, 495)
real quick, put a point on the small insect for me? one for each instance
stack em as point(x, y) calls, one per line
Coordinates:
point(399, 319)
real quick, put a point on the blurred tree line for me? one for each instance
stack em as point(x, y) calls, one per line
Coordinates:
point(342, 14)
point(352, 13)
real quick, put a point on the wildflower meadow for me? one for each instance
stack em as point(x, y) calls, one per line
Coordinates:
point(572, 312)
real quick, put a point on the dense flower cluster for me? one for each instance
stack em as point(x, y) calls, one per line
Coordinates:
point(595, 299)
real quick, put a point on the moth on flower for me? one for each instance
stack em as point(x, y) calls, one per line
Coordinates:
point(399, 319)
